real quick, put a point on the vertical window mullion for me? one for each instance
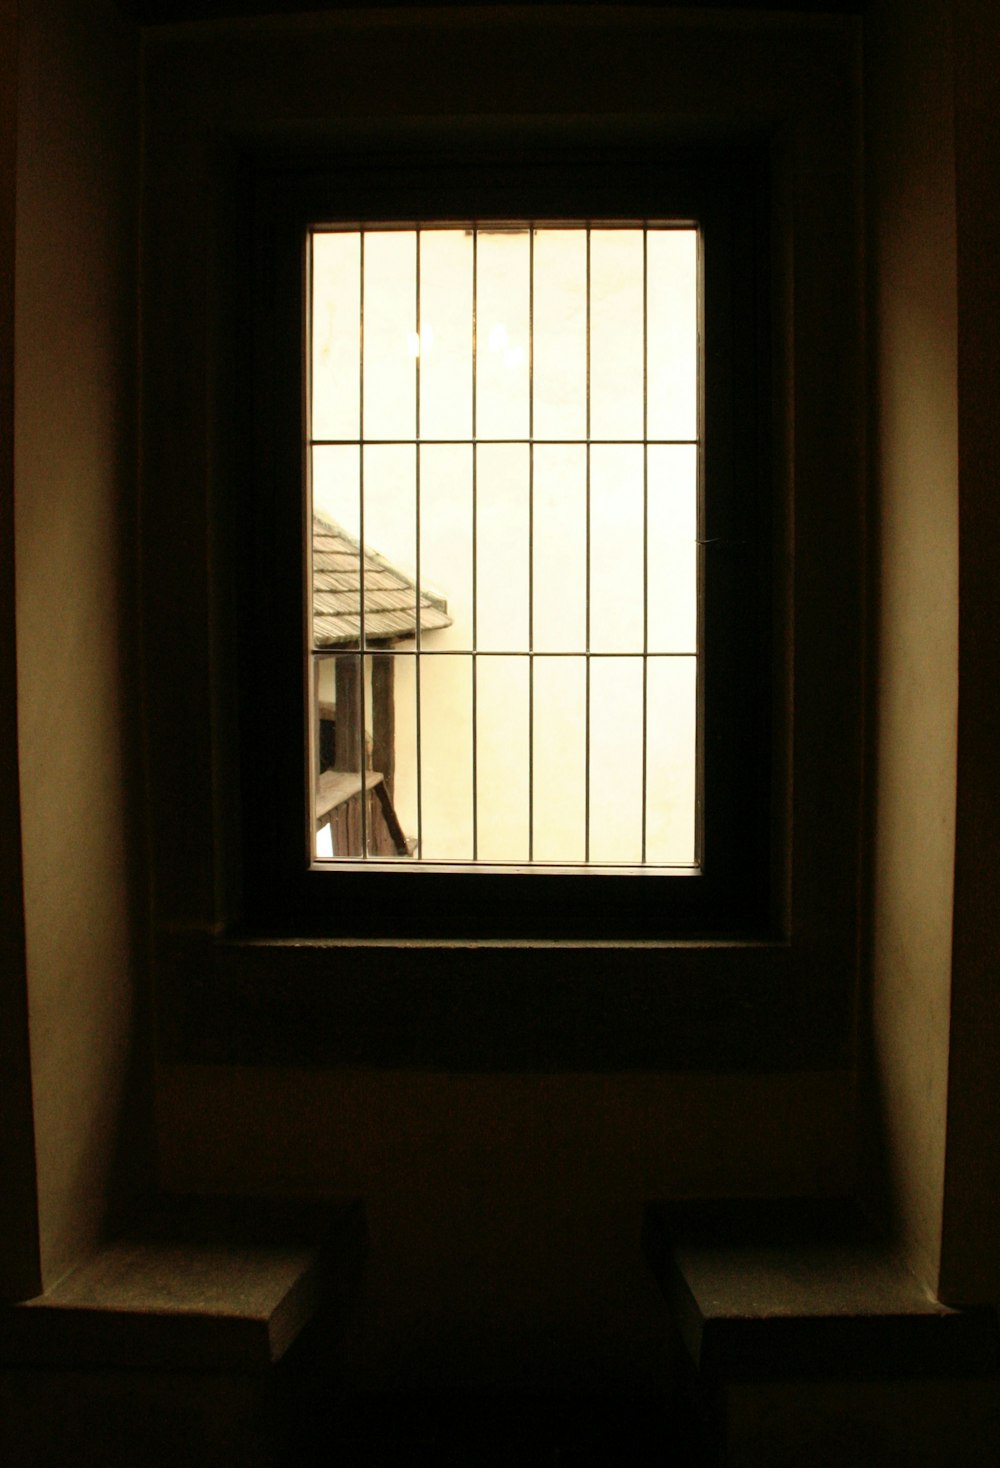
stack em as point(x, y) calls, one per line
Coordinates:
point(586, 766)
point(475, 559)
point(531, 543)
point(360, 673)
point(700, 533)
point(416, 489)
point(645, 523)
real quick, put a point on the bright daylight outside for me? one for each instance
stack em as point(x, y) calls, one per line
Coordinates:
point(504, 441)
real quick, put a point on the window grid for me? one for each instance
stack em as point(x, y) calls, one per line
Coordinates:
point(417, 441)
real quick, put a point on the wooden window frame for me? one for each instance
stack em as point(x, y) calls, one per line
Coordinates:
point(734, 894)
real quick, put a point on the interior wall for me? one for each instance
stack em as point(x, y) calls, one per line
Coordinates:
point(74, 445)
point(19, 1263)
point(970, 1266)
point(914, 459)
point(504, 1210)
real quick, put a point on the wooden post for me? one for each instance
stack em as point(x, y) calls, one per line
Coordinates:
point(384, 719)
point(347, 743)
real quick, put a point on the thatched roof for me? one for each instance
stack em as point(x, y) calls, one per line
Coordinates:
point(390, 596)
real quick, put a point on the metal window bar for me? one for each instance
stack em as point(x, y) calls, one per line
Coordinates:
point(531, 545)
point(360, 673)
point(586, 695)
point(474, 442)
point(645, 529)
point(475, 549)
point(416, 486)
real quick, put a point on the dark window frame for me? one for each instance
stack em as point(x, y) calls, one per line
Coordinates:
point(725, 193)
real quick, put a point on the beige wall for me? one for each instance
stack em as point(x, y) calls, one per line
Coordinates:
point(74, 491)
point(19, 1264)
point(932, 129)
point(504, 1211)
point(970, 1264)
point(914, 456)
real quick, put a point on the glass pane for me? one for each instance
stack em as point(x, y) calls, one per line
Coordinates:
point(673, 548)
point(616, 548)
point(446, 759)
point(502, 758)
point(616, 759)
point(559, 758)
point(336, 316)
point(389, 263)
point(341, 710)
point(336, 485)
point(390, 566)
point(446, 537)
point(560, 548)
point(671, 770)
point(502, 546)
point(672, 344)
point(445, 334)
point(502, 296)
point(396, 707)
point(616, 333)
point(560, 333)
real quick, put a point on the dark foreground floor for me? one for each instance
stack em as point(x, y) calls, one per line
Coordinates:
point(495, 1432)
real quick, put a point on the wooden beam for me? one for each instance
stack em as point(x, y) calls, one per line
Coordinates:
point(347, 746)
point(384, 718)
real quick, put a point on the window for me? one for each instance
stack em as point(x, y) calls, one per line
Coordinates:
point(510, 414)
point(501, 426)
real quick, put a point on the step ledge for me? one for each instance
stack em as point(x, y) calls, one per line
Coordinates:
point(194, 1284)
point(784, 1289)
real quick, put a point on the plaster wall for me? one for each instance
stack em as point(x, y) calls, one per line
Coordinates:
point(970, 1267)
point(504, 1210)
point(74, 491)
point(915, 494)
point(18, 1220)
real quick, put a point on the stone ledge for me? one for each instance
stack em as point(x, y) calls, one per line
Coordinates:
point(195, 1284)
point(782, 1290)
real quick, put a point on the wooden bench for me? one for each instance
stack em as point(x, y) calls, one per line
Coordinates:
point(169, 1347)
point(807, 1341)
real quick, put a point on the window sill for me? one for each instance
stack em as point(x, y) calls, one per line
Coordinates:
point(499, 1005)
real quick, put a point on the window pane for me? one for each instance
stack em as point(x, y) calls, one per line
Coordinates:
point(673, 548)
point(342, 826)
point(502, 747)
point(389, 263)
point(560, 754)
point(404, 759)
point(502, 546)
point(616, 548)
point(446, 758)
point(390, 566)
point(616, 333)
point(560, 548)
point(560, 333)
point(672, 306)
point(502, 295)
point(336, 485)
point(445, 334)
point(336, 316)
point(671, 759)
point(446, 536)
point(616, 759)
